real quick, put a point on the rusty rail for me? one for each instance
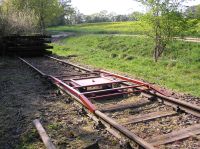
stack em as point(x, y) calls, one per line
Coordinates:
point(140, 86)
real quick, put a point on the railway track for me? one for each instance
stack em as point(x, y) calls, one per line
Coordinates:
point(135, 112)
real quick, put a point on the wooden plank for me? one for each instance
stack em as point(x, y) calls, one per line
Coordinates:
point(45, 138)
point(27, 41)
point(175, 136)
point(29, 47)
point(13, 37)
point(124, 106)
point(124, 131)
point(149, 116)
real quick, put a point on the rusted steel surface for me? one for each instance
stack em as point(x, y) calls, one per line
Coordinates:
point(85, 101)
point(134, 81)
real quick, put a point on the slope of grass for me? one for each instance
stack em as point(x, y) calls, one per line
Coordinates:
point(179, 69)
point(108, 27)
point(136, 27)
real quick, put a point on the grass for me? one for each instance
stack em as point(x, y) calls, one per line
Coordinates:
point(136, 27)
point(104, 28)
point(178, 69)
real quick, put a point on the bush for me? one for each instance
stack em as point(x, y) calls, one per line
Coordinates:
point(18, 22)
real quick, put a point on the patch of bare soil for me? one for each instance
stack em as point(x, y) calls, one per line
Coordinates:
point(24, 96)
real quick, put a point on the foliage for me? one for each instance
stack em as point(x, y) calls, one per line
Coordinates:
point(132, 55)
point(166, 22)
point(13, 21)
point(193, 12)
point(103, 16)
point(46, 10)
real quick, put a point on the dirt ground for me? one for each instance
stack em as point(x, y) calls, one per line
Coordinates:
point(24, 96)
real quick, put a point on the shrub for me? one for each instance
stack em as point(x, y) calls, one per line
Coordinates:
point(18, 22)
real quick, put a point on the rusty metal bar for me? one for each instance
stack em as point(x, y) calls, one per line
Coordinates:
point(40, 72)
point(84, 99)
point(113, 89)
point(132, 80)
point(80, 78)
point(115, 94)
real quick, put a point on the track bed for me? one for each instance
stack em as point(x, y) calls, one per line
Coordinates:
point(158, 124)
point(24, 96)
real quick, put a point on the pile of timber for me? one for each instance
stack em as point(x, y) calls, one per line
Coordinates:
point(34, 45)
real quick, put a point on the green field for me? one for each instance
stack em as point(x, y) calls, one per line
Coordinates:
point(178, 69)
point(136, 27)
point(109, 28)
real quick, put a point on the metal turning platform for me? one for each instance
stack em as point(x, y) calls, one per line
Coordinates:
point(89, 85)
point(103, 85)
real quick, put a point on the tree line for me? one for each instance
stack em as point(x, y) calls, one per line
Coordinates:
point(102, 16)
point(19, 16)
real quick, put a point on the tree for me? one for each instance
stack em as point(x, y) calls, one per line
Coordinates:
point(79, 17)
point(13, 21)
point(135, 16)
point(193, 12)
point(48, 11)
point(166, 22)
